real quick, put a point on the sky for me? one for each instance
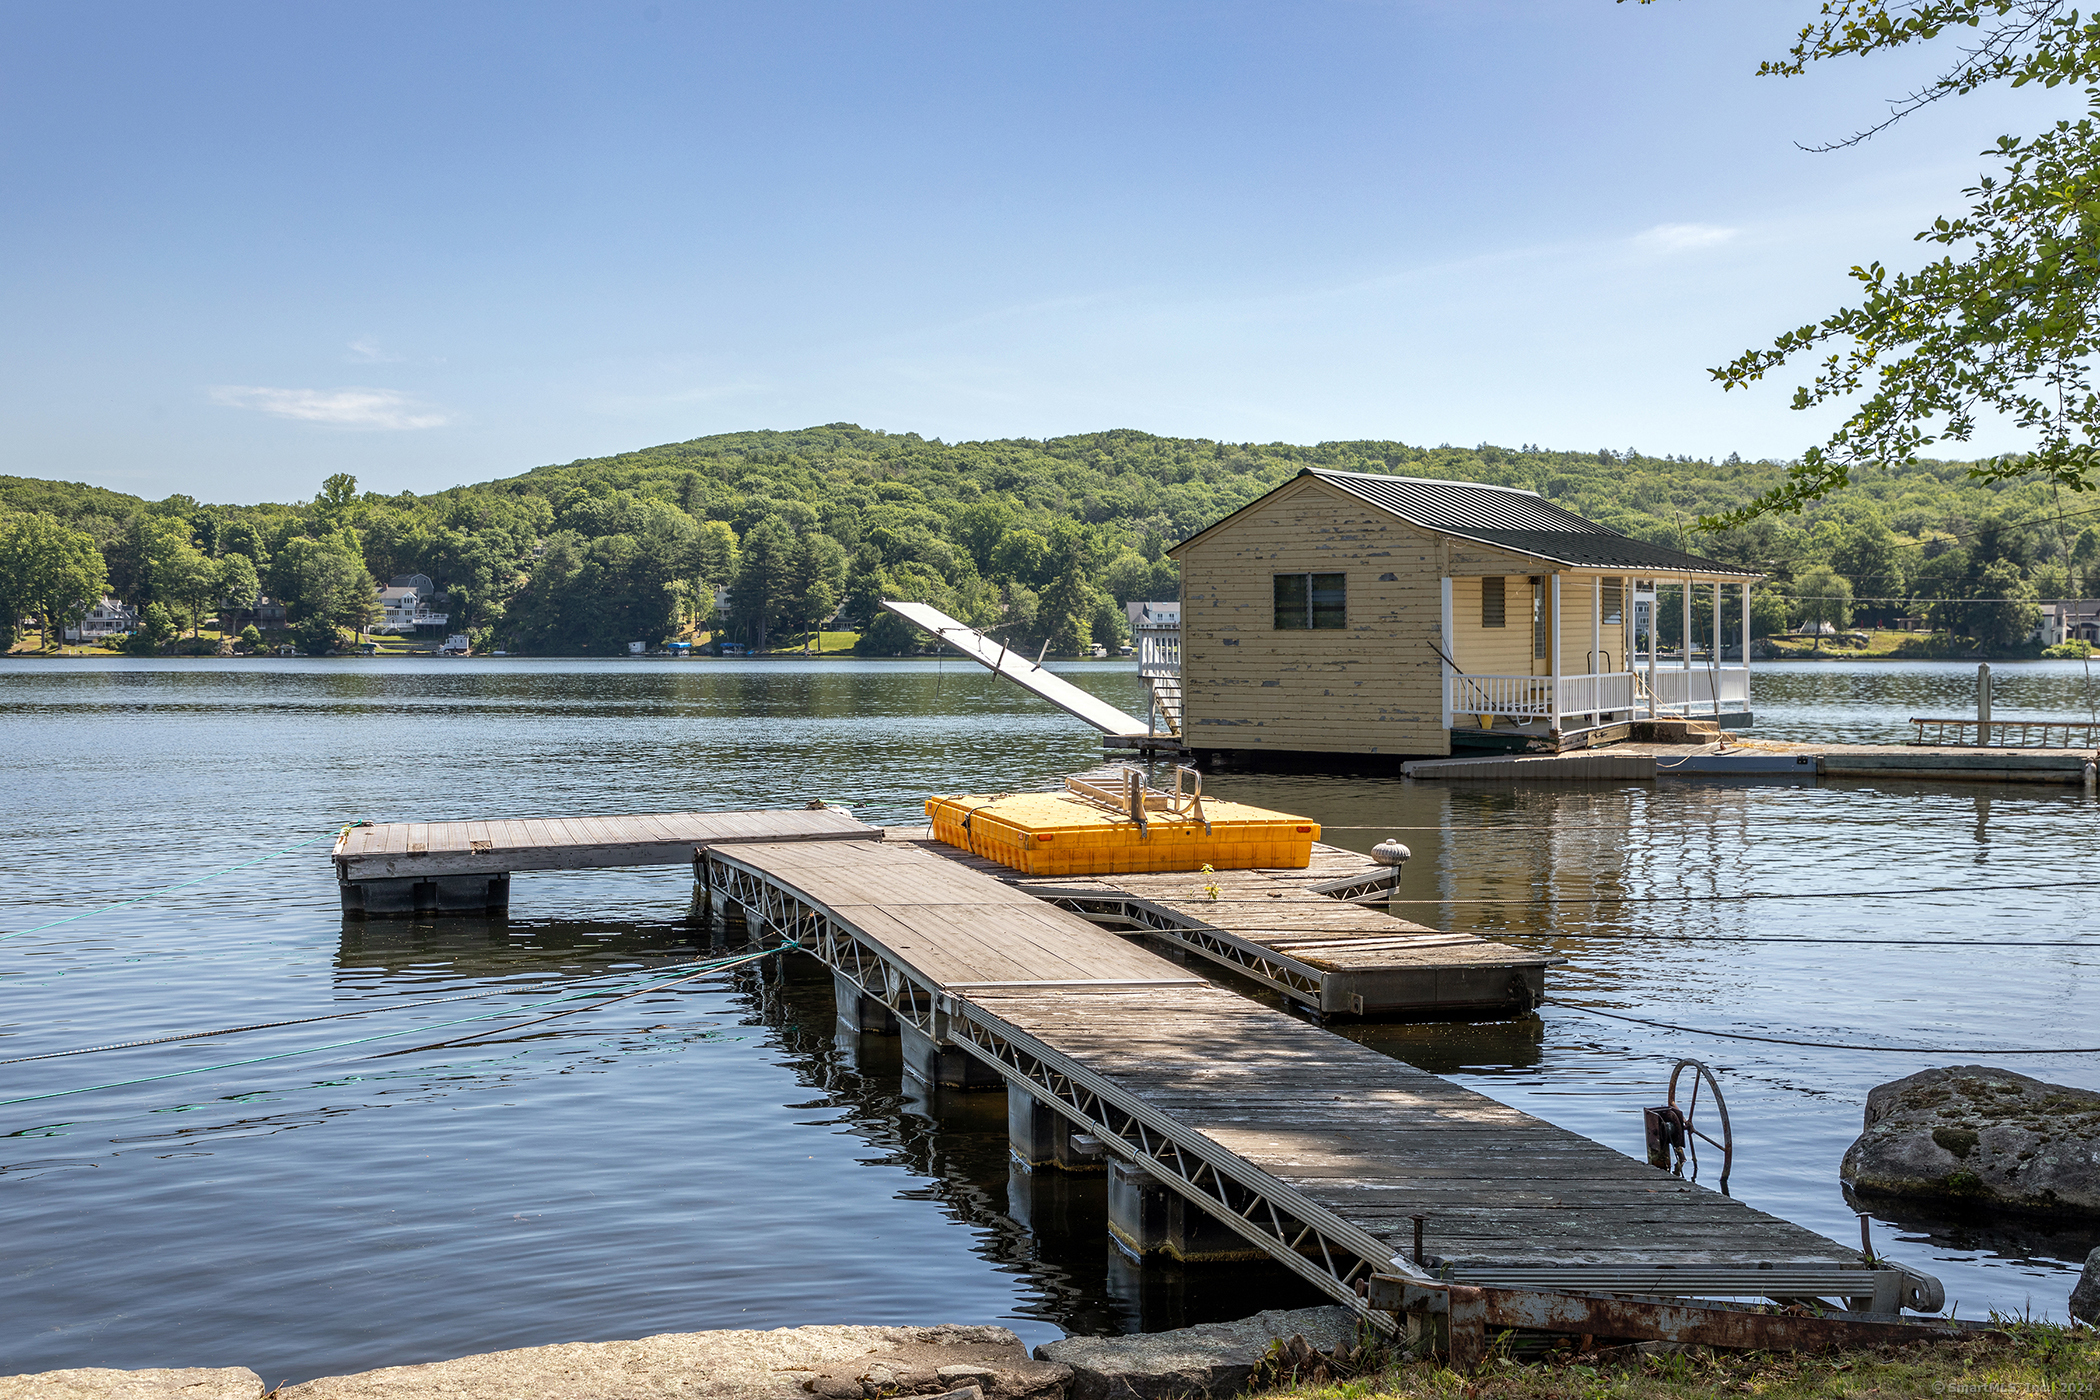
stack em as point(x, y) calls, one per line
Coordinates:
point(247, 245)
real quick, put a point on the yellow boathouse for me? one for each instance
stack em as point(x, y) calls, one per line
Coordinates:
point(1356, 613)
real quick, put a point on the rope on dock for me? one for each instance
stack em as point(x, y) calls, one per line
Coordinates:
point(720, 966)
point(170, 889)
point(1818, 1044)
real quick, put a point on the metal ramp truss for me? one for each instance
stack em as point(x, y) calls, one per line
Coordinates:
point(1294, 979)
point(1332, 1254)
point(1345, 1261)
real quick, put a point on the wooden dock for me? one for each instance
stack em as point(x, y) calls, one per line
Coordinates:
point(406, 868)
point(1230, 1127)
point(1768, 760)
point(1325, 953)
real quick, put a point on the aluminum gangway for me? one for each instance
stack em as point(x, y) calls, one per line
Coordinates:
point(1030, 675)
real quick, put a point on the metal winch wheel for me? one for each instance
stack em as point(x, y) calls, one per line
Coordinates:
point(1690, 1109)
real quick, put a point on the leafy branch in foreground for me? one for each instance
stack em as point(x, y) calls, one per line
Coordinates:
point(2008, 327)
point(2002, 326)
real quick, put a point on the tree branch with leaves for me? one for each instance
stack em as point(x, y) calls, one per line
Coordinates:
point(2003, 323)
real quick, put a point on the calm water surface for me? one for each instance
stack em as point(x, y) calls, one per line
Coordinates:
point(710, 1155)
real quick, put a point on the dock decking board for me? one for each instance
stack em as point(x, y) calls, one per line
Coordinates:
point(1324, 953)
point(434, 850)
point(1337, 1138)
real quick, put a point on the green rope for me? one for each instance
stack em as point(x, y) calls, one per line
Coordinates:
point(717, 966)
point(123, 903)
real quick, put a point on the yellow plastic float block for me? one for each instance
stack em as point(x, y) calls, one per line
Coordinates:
point(1050, 833)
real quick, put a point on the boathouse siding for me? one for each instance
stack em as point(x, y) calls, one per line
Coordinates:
point(1379, 683)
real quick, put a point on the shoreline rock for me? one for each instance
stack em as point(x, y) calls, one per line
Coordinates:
point(1212, 1359)
point(2085, 1298)
point(101, 1383)
point(1978, 1136)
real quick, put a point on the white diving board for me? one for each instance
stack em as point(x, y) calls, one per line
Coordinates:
point(1030, 676)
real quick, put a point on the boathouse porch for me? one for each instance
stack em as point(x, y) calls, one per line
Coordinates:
point(1559, 653)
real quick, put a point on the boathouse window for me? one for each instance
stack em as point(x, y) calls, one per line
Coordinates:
point(1492, 611)
point(1614, 602)
point(1311, 600)
point(1538, 618)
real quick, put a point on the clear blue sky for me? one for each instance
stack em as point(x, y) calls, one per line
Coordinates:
point(245, 245)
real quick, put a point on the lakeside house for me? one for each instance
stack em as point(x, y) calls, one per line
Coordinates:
point(405, 604)
point(1355, 613)
point(108, 618)
point(2069, 620)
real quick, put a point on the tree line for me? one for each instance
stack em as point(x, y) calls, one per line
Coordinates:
point(1043, 540)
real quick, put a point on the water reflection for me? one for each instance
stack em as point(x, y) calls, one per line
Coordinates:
point(712, 1155)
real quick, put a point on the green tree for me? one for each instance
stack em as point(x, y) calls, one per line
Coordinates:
point(235, 582)
point(48, 569)
point(1771, 612)
point(334, 502)
point(1022, 555)
point(191, 577)
point(1065, 612)
point(867, 584)
point(156, 629)
point(251, 636)
point(324, 580)
point(2004, 325)
point(2005, 612)
point(818, 582)
point(979, 528)
point(763, 594)
point(1822, 596)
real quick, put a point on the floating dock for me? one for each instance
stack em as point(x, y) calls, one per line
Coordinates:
point(1639, 763)
point(398, 869)
point(1229, 1128)
point(1297, 931)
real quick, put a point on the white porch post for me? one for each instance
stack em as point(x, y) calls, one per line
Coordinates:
point(1655, 607)
point(1450, 649)
point(1596, 643)
point(1686, 602)
point(1717, 649)
point(1746, 646)
point(1554, 645)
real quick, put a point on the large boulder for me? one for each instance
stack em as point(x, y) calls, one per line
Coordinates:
point(2085, 1298)
point(101, 1383)
point(1977, 1136)
point(1212, 1359)
point(790, 1363)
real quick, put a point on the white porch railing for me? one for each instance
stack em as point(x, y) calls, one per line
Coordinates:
point(1609, 697)
point(1159, 649)
point(1678, 691)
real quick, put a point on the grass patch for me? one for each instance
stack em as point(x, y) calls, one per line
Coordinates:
point(2025, 1359)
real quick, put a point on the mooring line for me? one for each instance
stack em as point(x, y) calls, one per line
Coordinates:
point(1815, 1044)
point(170, 889)
point(312, 1020)
point(342, 1044)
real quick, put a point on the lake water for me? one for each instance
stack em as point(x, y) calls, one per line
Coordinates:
point(710, 1155)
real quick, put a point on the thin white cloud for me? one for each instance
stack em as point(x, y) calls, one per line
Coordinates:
point(1681, 238)
point(337, 408)
point(366, 351)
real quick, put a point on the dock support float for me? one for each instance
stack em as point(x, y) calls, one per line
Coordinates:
point(1041, 1137)
point(860, 1012)
point(445, 894)
point(1147, 1217)
point(940, 1063)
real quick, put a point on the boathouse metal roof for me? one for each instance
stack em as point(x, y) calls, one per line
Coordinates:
point(1508, 517)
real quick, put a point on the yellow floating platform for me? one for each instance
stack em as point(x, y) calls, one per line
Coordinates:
point(1051, 833)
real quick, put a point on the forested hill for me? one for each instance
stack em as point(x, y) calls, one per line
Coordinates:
point(1045, 538)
